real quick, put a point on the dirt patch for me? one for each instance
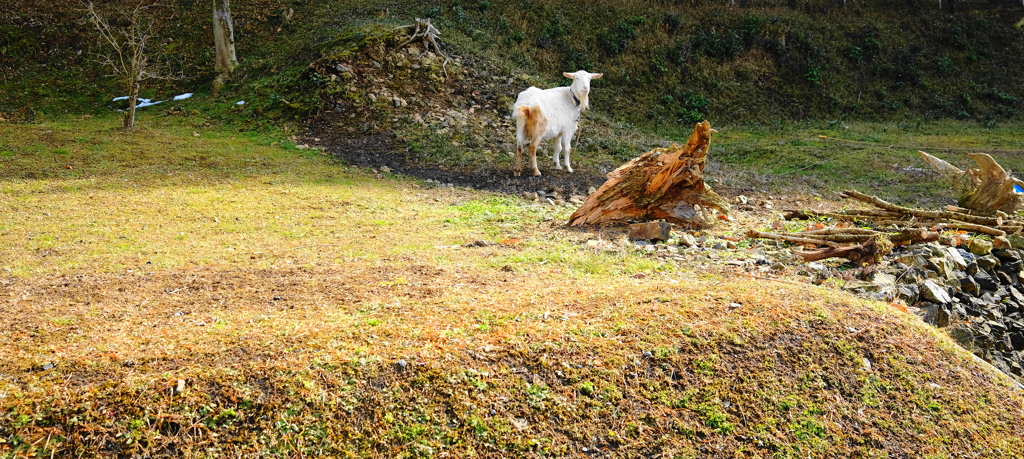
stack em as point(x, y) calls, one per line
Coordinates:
point(377, 150)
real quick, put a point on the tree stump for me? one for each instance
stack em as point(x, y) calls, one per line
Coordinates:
point(664, 183)
point(989, 188)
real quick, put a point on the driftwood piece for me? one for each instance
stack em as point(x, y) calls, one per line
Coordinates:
point(664, 183)
point(988, 188)
point(832, 236)
point(870, 252)
point(790, 238)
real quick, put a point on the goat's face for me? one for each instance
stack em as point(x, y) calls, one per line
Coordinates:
point(581, 81)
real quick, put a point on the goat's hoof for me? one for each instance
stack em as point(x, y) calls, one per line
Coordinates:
point(536, 173)
point(568, 169)
point(516, 173)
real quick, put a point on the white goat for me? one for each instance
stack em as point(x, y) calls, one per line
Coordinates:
point(543, 114)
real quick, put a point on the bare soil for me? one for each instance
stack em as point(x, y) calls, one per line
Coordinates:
point(385, 149)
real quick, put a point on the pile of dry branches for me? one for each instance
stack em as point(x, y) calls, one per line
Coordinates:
point(886, 226)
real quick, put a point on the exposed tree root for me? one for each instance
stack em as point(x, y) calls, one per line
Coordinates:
point(428, 35)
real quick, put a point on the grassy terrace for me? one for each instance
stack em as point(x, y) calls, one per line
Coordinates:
point(191, 291)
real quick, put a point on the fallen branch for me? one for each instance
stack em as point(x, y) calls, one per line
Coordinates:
point(788, 238)
point(907, 226)
point(870, 252)
point(845, 215)
point(972, 228)
point(832, 236)
point(937, 215)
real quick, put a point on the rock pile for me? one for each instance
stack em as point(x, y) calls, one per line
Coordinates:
point(977, 294)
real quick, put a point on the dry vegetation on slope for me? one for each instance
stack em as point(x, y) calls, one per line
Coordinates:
point(239, 296)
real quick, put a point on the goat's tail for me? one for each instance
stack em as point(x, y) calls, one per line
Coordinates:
point(530, 122)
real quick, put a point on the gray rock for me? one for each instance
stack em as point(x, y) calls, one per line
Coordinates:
point(1006, 255)
point(985, 281)
point(953, 256)
point(1016, 340)
point(941, 266)
point(912, 259)
point(931, 291)
point(935, 314)
point(909, 293)
point(997, 327)
point(687, 240)
point(987, 262)
point(968, 284)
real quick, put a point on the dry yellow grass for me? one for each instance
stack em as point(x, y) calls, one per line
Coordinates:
point(266, 301)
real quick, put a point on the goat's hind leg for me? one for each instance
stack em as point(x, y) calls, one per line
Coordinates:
point(519, 159)
point(534, 144)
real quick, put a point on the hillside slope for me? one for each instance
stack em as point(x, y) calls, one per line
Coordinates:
point(730, 62)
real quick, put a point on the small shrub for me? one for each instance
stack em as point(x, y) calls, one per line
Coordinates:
point(1001, 97)
point(945, 65)
point(576, 60)
point(814, 74)
point(553, 33)
point(724, 45)
point(615, 40)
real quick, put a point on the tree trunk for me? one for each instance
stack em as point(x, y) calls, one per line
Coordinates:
point(224, 42)
point(988, 189)
point(133, 101)
point(664, 183)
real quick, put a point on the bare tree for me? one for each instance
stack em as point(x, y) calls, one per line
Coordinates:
point(224, 42)
point(127, 57)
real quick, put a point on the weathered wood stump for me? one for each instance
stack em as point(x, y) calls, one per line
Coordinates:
point(664, 183)
point(989, 188)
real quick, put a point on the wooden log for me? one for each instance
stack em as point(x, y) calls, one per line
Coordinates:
point(900, 237)
point(869, 253)
point(988, 188)
point(933, 214)
point(845, 215)
point(789, 238)
point(664, 183)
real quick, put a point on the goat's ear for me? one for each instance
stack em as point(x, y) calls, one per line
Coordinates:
point(571, 76)
point(595, 76)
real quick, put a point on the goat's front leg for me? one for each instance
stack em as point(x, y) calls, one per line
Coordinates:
point(565, 149)
point(557, 144)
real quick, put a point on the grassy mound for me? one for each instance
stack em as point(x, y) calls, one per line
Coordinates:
point(188, 291)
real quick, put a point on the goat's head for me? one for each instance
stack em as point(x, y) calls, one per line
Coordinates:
point(581, 85)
